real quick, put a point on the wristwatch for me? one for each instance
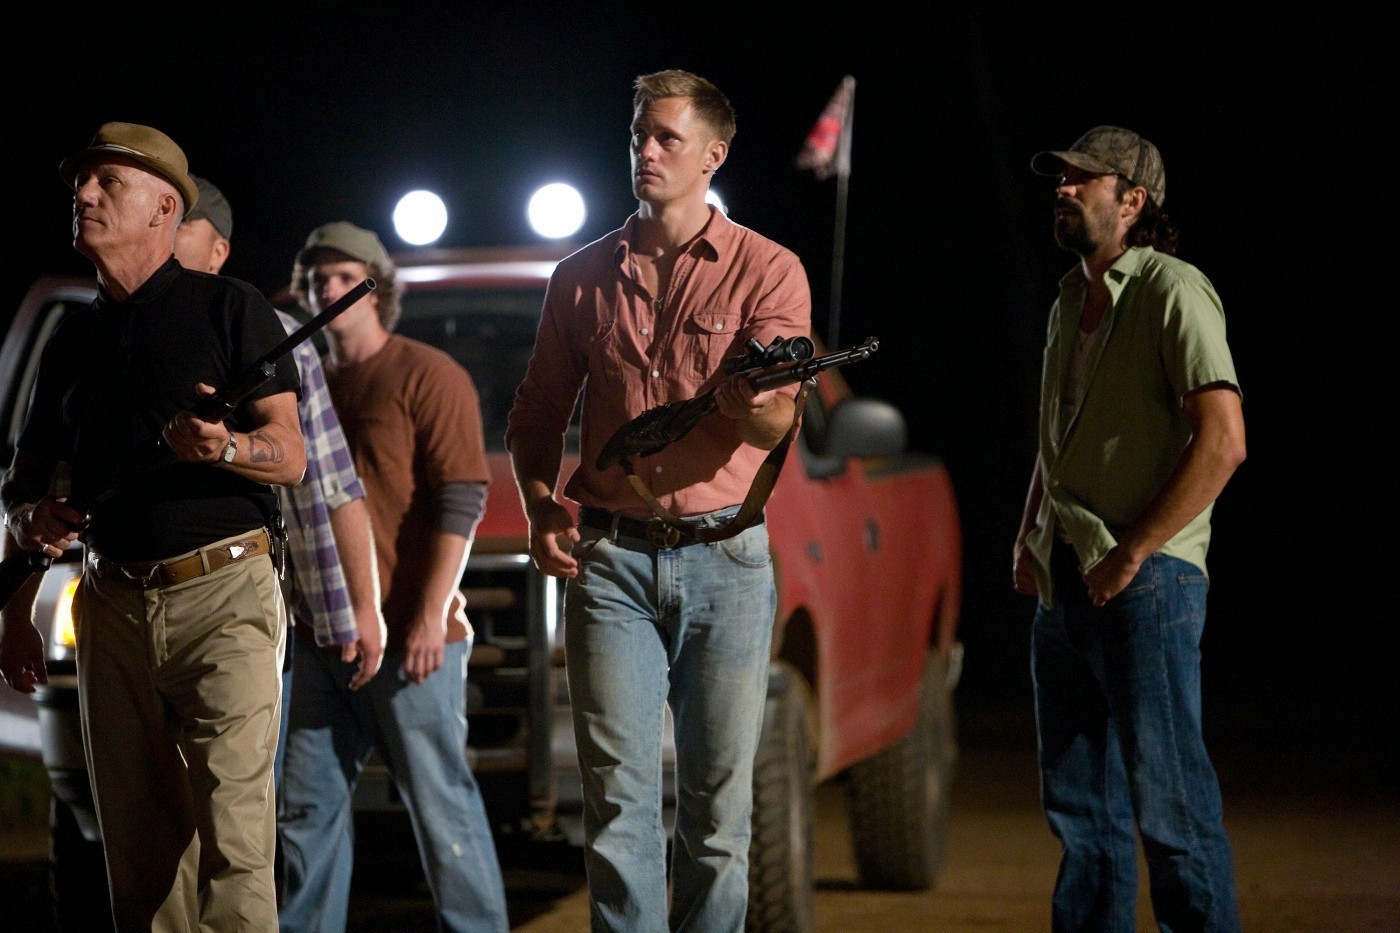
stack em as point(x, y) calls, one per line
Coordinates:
point(231, 450)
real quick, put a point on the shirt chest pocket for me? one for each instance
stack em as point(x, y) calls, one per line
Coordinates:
point(710, 335)
point(604, 349)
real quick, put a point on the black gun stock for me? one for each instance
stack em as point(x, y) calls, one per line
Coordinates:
point(17, 568)
point(655, 428)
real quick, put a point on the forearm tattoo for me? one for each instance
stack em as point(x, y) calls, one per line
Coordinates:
point(264, 449)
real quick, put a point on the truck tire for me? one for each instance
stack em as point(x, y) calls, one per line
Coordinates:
point(780, 850)
point(898, 798)
point(77, 875)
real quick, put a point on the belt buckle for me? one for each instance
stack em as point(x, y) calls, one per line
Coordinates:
point(144, 580)
point(663, 535)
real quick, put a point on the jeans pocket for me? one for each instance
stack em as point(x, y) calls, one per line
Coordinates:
point(748, 548)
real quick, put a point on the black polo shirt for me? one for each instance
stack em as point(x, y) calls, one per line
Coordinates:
point(114, 375)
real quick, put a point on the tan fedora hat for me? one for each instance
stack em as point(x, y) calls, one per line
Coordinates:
point(143, 144)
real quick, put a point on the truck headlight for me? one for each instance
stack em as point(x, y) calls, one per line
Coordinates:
point(62, 627)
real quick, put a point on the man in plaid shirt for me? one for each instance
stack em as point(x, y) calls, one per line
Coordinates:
point(332, 583)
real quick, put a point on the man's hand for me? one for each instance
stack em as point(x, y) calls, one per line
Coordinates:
point(1108, 577)
point(193, 440)
point(368, 647)
point(552, 535)
point(736, 398)
point(761, 418)
point(423, 650)
point(49, 525)
point(22, 655)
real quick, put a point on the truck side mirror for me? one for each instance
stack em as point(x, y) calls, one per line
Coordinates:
point(854, 427)
point(865, 427)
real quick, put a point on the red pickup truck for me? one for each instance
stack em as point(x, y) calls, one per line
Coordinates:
point(867, 549)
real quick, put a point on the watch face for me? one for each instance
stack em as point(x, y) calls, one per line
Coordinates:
point(231, 450)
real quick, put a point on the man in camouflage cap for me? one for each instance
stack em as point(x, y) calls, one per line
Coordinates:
point(1141, 427)
point(1111, 150)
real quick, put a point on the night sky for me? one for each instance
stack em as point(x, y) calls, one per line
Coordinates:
point(1268, 123)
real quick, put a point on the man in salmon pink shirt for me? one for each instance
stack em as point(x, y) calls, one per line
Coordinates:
point(656, 616)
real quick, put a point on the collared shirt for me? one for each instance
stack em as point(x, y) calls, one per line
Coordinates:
point(604, 334)
point(323, 598)
point(1105, 456)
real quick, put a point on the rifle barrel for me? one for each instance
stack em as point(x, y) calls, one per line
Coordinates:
point(805, 370)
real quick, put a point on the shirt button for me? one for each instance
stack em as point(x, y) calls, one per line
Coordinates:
point(656, 374)
point(645, 331)
point(658, 469)
point(719, 325)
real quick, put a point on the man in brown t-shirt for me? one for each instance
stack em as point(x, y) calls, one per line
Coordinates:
point(413, 421)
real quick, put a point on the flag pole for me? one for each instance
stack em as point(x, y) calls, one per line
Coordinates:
point(843, 175)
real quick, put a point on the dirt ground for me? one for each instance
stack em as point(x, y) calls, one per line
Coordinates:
point(1309, 859)
point(1316, 851)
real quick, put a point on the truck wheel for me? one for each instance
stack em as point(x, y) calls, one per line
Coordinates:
point(77, 874)
point(898, 798)
point(780, 851)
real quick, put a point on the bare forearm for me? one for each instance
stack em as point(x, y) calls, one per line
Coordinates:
point(269, 454)
point(1034, 494)
point(447, 558)
point(1216, 450)
point(535, 458)
point(1198, 480)
point(21, 644)
point(21, 604)
point(354, 542)
point(765, 428)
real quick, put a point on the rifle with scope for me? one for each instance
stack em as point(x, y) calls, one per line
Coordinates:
point(785, 361)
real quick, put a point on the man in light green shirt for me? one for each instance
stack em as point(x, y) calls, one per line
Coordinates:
point(1141, 427)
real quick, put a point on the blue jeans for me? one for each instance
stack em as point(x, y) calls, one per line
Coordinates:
point(420, 732)
point(1118, 715)
point(643, 627)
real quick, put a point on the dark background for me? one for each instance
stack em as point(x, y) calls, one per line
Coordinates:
point(1271, 123)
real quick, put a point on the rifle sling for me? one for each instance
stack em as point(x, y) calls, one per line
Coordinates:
point(759, 490)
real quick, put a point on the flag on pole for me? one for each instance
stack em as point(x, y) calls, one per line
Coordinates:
point(827, 149)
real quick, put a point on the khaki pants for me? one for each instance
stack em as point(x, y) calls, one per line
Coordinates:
point(180, 692)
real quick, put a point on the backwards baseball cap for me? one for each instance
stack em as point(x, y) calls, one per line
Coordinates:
point(213, 207)
point(356, 242)
point(143, 144)
point(1110, 150)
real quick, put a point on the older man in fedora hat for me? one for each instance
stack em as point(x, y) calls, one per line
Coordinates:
point(1141, 427)
point(180, 619)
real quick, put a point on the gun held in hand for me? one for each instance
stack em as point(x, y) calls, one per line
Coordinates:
point(785, 361)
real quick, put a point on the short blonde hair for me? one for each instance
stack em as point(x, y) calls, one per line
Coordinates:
point(709, 101)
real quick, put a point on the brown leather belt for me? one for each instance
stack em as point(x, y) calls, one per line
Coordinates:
point(652, 530)
point(181, 569)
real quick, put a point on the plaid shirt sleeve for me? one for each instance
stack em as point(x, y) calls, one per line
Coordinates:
point(322, 596)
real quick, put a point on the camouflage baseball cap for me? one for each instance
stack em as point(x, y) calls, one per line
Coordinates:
point(213, 207)
point(356, 242)
point(1110, 150)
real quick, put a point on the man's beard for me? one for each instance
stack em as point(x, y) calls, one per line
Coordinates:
point(1072, 233)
